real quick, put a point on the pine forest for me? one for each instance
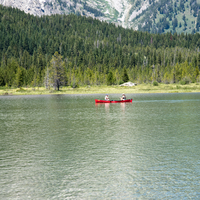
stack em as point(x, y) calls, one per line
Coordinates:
point(71, 50)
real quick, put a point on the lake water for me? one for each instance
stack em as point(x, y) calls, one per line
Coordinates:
point(68, 147)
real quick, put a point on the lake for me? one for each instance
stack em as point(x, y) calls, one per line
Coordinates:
point(68, 147)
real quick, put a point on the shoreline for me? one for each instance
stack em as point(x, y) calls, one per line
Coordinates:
point(103, 89)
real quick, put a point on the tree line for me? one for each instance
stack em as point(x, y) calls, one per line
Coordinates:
point(89, 52)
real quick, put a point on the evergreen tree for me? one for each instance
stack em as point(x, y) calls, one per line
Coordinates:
point(110, 78)
point(10, 71)
point(125, 77)
point(57, 71)
point(19, 77)
point(196, 72)
point(2, 82)
point(47, 79)
point(199, 61)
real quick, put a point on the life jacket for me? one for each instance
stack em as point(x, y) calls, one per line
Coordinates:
point(123, 97)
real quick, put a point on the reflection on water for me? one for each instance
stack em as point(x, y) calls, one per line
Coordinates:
point(68, 147)
point(123, 105)
point(107, 106)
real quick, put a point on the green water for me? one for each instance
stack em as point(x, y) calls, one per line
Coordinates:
point(68, 147)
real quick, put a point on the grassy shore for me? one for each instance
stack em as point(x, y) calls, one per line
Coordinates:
point(142, 88)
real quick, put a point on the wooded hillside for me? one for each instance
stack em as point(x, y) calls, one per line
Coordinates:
point(92, 52)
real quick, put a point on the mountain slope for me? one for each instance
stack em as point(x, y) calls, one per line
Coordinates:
point(91, 50)
point(146, 15)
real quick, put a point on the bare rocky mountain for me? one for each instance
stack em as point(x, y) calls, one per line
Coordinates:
point(146, 15)
point(116, 11)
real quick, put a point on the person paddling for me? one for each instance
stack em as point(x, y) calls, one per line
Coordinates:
point(123, 97)
point(107, 97)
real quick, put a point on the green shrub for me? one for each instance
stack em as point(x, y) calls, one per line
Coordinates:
point(193, 80)
point(121, 82)
point(74, 85)
point(20, 90)
point(155, 83)
point(184, 81)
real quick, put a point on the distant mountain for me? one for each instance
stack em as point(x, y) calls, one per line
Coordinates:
point(155, 16)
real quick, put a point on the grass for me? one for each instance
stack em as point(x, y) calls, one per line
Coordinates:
point(142, 88)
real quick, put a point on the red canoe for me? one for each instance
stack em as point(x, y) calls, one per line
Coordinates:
point(113, 101)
